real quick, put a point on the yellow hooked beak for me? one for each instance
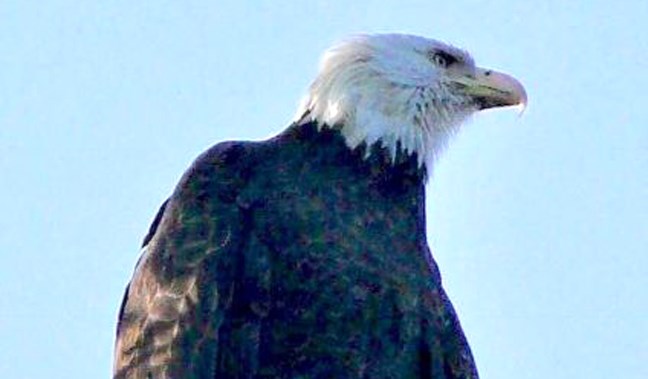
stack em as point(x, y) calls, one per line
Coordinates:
point(491, 89)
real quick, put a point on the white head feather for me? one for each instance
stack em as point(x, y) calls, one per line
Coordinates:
point(387, 89)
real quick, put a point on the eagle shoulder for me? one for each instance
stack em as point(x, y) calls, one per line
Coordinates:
point(182, 280)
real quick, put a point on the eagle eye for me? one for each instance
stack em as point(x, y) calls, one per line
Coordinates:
point(442, 59)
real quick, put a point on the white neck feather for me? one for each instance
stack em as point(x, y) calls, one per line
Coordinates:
point(374, 101)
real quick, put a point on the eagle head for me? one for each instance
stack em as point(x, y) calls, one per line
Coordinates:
point(405, 92)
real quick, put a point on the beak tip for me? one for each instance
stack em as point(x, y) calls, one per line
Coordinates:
point(524, 100)
point(523, 103)
point(518, 92)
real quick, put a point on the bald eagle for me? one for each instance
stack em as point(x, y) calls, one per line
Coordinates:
point(305, 256)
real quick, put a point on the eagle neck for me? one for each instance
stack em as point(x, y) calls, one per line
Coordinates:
point(321, 154)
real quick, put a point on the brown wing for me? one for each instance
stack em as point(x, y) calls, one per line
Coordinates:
point(180, 288)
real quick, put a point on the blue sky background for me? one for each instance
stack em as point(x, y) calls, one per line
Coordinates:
point(539, 223)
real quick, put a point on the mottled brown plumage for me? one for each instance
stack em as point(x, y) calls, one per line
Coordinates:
point(291, 258)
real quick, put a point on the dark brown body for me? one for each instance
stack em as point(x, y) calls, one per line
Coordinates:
point(291, 258)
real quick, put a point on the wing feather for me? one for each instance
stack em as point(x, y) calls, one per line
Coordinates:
point(174, 302)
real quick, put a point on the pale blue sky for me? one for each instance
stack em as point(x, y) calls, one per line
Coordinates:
point(539, 223)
